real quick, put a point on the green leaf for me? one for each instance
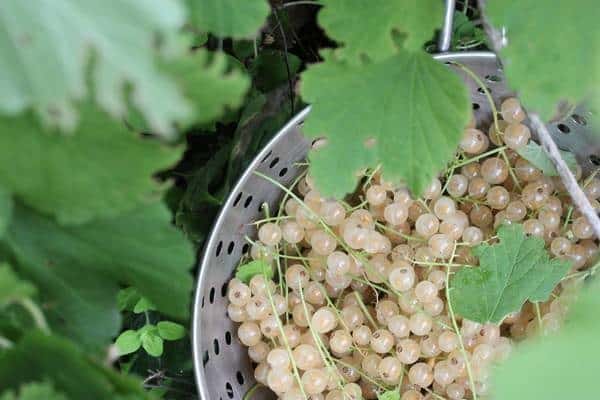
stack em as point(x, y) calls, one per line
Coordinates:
point(44, 71)
point(368, 27)
point(229, 17)
point(208, 83)
point(245, 272)
point(143, 305)
point(6, 207)
point(537, 370)
point(170, 330)
point(152, 343)
point(516, 269)
point(127, 298)
point(415, 109)
point(535, 154)
point(389, 395)
point(546, 64)
point(34, 391)
point(73, 372)
point(12, 288)
point(102, 170)
point(78, 269)
point(128, 342)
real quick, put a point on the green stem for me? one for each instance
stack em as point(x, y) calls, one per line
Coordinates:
point(251, 391)
point(480, 156)
point(538, 315)
point(36, 313)
point(457, 331)
point(325, 356)
point(365, 310)
point(483, 87)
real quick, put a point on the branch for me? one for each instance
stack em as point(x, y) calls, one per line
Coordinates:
point(579, 198)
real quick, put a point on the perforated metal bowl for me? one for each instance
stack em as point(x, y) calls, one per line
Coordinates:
point(223, 369)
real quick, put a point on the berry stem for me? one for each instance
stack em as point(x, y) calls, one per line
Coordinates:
point(285, 341)
point(457, 331)
point(325, 356)
point(251, 391)
point(365, 310)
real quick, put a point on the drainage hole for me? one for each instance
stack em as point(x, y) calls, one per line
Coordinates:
point(563, 128)
point(579, 119)
point(267, 156)
point(237, 199)
point(229, 390)
point(240, 378)
point(274, 162)
point(493, 78)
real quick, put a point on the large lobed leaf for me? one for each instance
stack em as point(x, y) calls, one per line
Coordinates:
point(516, 269)
point(34, 391)
point(553, 50)
point(78, 269)
point(414, 108)
point(71, 371)
point(557, 367)
point(102, 170)
point(46, 45)
point(367, 28)
point(229, 17)
point(205, 79)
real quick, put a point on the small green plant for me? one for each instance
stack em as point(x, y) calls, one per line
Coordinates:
point(150, 336)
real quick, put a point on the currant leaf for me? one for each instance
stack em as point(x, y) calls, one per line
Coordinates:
point(207, 81)
point(6, 207)
point(379, 21)
point(229, 17)
point(78, 375)
point(535, 154)
point(406, 112)
point(44, 71)
point(557, 65)
point(510, 272)
point(100, 171)
point(78, 269)
point(537, 370)
point(246, 271)
point(34, 391)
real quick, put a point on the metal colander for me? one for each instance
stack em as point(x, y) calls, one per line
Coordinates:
point(223, 369)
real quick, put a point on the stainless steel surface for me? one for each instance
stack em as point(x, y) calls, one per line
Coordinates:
point(223, 370)
point(446, 34)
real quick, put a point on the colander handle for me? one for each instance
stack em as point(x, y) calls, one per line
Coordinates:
point(446, 36)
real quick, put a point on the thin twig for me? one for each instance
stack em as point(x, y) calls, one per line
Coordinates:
point(579, 198)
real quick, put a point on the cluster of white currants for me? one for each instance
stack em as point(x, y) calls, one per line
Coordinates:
point(360, 303)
